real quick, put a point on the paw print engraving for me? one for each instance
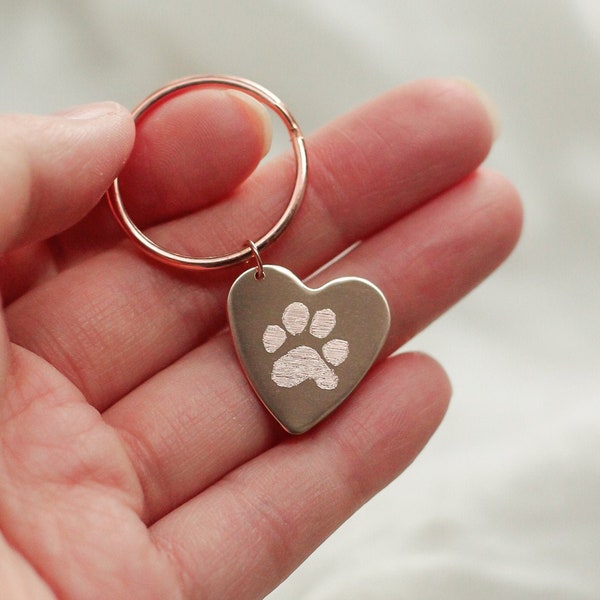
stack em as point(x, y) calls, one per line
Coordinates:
point(305, 362)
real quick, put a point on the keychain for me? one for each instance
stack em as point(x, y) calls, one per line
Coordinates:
point(303, 350)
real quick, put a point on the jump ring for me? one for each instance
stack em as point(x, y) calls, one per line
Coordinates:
point(271, 101)
point(260, 272)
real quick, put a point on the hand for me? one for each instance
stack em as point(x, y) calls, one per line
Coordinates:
point(135, 461)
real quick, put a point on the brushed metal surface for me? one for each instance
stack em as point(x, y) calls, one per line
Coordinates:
point(304, 350)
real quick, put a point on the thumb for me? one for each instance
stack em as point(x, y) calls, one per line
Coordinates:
point(54, 169)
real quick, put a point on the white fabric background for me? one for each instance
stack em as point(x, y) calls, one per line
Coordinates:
point(505, 501)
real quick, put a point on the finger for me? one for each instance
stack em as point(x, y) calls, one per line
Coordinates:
point(122, 315)
point(189, 152)
point(19, 579)
point(24, 268)
point(273, 511)
point(54, 169)
point(198, 419)
point(365, 170)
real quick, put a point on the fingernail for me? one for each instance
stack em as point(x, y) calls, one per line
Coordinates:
point(260, 111)
point(487, 102)
point(90, 111)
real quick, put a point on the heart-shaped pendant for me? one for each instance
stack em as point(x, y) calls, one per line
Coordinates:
point(305, 350)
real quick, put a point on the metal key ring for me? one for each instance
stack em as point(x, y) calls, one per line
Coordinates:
point(271, 101)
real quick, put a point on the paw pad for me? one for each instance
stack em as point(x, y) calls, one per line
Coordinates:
point(304, 362)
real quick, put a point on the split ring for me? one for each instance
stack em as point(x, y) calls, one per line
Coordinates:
point(271, 101)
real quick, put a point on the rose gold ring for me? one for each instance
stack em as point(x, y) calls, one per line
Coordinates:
point(271, 101)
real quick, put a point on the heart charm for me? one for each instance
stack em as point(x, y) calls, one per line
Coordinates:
point(305, 350)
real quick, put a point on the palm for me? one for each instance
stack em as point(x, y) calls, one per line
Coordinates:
point(65, 471)
point(135, 462)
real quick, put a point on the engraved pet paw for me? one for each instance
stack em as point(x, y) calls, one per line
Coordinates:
point(305, 362)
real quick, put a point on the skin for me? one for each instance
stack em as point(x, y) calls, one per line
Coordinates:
point(135, 461)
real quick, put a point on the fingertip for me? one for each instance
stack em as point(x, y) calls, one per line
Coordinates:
point(56, 168)
point(424, 401)
point(488, 105)
point(191, 151)
point(436, 384)
point(258, 114)
point(108, 119)
point(96, 110)
point(459, 102)
point(508, 216)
